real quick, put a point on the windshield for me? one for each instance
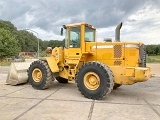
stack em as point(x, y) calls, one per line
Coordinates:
point(89, 34)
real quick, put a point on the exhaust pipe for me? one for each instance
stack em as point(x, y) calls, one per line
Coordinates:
point(117, 32)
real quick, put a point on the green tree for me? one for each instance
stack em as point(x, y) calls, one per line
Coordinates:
point(8, 44)
point(27, 41)
point(153, 49)
point(8, 26)
point(55, 43)
point(157, 50)
point(43, 44)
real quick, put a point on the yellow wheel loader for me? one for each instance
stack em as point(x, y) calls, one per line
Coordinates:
point(96, 67)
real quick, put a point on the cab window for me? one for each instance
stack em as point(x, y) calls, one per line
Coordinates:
point(89, 34)
point(75, 37)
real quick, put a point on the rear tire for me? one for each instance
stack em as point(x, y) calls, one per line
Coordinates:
point(62, 80)
point(40, 75)
point(94, 80)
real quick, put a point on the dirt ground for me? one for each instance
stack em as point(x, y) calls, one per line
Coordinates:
point(155, 69)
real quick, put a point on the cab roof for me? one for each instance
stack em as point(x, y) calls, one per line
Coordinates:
point(75, 24)
point(79, 24)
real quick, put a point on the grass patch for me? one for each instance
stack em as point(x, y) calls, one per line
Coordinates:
point(153, 59)
point(5, 63)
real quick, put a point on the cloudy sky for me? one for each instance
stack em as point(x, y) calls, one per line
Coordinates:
point(141, 18)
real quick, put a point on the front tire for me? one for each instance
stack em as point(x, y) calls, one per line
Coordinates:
point(40, 75)
point(94, 80)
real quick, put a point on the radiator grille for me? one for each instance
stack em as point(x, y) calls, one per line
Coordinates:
point(117, 62)
point(117, 51)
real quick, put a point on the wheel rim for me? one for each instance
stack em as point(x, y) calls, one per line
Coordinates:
point(37, 75)
point(91, 80)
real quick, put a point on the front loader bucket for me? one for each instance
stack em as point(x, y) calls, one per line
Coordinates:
point(18, 73)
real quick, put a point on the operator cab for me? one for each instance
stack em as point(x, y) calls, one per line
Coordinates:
point(77, 34)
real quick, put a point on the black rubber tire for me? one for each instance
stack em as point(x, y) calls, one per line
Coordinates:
point(47, 77)
point(106, 80)
point(116, 86)
point(62, 80)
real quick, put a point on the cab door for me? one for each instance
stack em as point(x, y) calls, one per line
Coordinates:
point(72, 50)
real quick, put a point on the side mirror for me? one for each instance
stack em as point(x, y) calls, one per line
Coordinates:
point(61, 31)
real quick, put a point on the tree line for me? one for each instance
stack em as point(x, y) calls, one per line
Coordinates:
point(13, 41)
point(153, 49)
